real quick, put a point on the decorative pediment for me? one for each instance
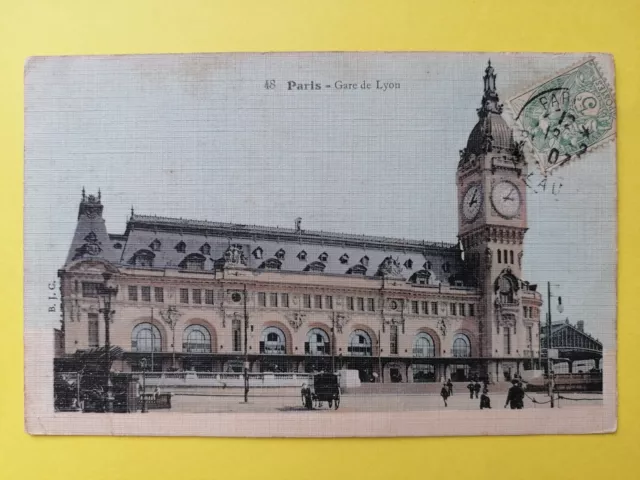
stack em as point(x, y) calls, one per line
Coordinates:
point(155, 245)
point(302, 255)
point(344, 259)
point(181, 247)
point(323, 257)
point(280, 254)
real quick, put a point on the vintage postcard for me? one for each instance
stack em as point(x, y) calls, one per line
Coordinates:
point(320, 244)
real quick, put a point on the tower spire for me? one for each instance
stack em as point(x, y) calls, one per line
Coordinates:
point(490, 99)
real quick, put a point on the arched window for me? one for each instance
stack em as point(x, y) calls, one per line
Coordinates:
point(315, 267)
point(146, 337)
point(195, 261)
point(271, 264)
point(461, 346)
point(317, 342)
point(421, 277)
point(273, 341)
point(423, 346)
point(357, 270)
point(142, 258)
point(196, 339)
point(506, 289)
point(360, 344)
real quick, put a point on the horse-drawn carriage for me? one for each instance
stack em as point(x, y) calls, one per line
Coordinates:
point(324, 388)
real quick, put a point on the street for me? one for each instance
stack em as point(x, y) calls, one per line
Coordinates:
point(185, 403)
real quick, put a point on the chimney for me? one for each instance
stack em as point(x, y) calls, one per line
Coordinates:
point(580, 325)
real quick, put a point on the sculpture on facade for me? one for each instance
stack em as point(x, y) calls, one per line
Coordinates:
point(390, 267)
point(296, 320)
point(234, 255)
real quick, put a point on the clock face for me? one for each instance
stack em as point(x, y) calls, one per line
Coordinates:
point(506, 199)
point(472, 202)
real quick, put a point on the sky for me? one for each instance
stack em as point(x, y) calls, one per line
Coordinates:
point(201, 137)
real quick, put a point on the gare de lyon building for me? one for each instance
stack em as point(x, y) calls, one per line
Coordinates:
point(400, 310)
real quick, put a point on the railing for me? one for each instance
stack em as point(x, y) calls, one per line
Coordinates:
point(223, 379)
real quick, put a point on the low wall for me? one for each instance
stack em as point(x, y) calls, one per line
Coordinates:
point(223, 380)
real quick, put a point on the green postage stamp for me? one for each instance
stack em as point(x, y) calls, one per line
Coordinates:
point(568, 115)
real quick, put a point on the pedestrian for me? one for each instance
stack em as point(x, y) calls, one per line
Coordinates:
point(156, 393)
point(450, 387)
point(476, 388)
point(444, 393)
point(485, 401)
point(515, 397)
point(470, 387)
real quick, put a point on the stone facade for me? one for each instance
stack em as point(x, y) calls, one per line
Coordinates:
point(190, 292)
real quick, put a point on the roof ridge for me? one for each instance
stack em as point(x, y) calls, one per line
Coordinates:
point(182, 222)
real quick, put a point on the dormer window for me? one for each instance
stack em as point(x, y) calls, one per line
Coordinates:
point(205, 249)
point(302, 255)
point(365, 261)
point(408, 264)
point(315, 267)
point(357, 270)
point(271, 264)
point(181, 247)
point(420, 278)
point(323, 257)
point(280, 254)
point(155, 245)
point(192, 262)
point(142, 258)
point(344, 258)
point(427, 265)
point(257, 253)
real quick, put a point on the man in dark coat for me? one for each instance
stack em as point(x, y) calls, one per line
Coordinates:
point(515, 397)
point(471, 388)
point(450, 387)
point(485, 401)
point(444, 393)
point(476, 388)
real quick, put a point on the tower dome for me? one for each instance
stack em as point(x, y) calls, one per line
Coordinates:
point(491, 133)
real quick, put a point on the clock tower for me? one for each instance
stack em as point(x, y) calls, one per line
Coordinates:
point(492, 221)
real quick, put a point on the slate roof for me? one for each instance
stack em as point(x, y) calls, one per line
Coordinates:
point(337, 253)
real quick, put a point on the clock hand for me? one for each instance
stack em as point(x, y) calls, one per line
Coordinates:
point(508, 197)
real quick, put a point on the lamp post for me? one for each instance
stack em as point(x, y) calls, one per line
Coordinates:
point(245, 368)
point(109, 290)
point(143, 364)
point(560, 309)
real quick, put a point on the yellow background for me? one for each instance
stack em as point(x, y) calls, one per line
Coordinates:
point(66, 27)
